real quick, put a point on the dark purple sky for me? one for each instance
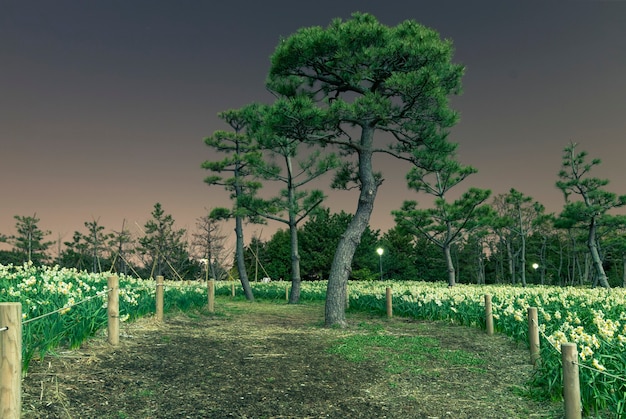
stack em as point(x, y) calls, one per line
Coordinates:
point(104, 104)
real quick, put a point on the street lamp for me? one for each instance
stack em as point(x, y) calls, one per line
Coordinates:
point(380, 260)
point(535, 266)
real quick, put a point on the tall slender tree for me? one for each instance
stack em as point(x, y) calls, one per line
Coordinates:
point(86, 251)
point(97, 242)
point(446, 222)
point(209, 243)
point(371, 79)
point(29, 240)
point(544, 237)
point(162, 245)
point(517, 218)
point(281, 131)
point(240, 149)
point(121, 244)
point(501, 224)
point(76, 252)
point(594, 201)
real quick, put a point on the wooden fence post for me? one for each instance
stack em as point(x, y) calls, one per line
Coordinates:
point(159, 298)
point(571, 382)
point(11, 362)
point(211, 291)
point(488, 315)
point(389, 303)
point(533, 335)
point(113, 309)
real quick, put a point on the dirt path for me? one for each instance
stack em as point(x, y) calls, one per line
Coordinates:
point(271, 360)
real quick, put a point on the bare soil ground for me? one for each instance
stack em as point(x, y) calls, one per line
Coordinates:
point(273, 360)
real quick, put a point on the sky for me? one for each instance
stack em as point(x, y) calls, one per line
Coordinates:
point(104, 105)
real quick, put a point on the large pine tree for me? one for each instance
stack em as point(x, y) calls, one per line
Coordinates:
point(385, 90)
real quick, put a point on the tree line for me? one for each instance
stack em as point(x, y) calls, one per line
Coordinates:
point(517, 243)
point(156, 248)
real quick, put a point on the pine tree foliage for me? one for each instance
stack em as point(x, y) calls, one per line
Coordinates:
point(446, 221)
point(235, 173)
point(593, 204)
point(385, 89)
point(282, 131)
point(29, 241)
point(163, 247)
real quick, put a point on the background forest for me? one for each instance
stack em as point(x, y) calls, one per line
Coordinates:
point(550, 251)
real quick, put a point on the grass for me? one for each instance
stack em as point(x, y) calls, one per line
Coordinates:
point(400, 353)
point(293, 366)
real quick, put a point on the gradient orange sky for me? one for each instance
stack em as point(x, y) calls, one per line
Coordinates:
point(104, 105)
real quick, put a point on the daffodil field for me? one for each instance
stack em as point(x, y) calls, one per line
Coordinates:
point(65, 306)
point(594, 319)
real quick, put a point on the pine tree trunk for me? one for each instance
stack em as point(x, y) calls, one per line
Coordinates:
point(211, 262)
point(335, 312)
point(449, 265)
point(523, 259)
point(241, 265)
point(595, 256)
point(294, 296)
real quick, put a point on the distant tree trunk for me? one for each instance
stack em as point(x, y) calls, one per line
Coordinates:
point(595, 255)
point(560, 267)
point(587, 275)
point(624, 270)
point(542, 259)
point(573, 260)
point(523, 258)
point(499, 271)
point(211, 264)
point(480, 268)
point(241, 263)
point(449, 265)
point(335, 311)
point(509, 254)
point(294, 296)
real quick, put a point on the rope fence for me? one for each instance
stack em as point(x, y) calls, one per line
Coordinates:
point(608, 374)
point(68, 307)
point(569, 363)
point(568, 359)
point(592, 368)
point(11, 322)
